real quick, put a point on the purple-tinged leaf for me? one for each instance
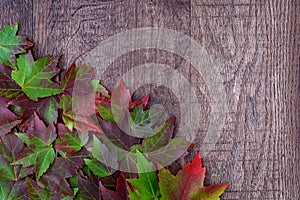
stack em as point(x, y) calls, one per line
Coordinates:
point(8, 119)
point(8, 87)
point(70, 141)
point(117, 136)
point(38, 129)
point(35, 192)
point(46, 109)
point(88, 190)
point(57, 184)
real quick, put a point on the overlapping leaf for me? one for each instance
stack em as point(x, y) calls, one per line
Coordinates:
point(107, 159)
point(55, 178)
point(77, 114)
point(70, 141)
point(75, 168)
point(88, 190)
point(13, 190)
point(35, 192)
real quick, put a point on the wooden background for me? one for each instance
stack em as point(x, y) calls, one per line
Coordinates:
point(255, 44)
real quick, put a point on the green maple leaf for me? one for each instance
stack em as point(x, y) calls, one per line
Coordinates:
point(11, 44)
point(146, 185)
point(188, 183)
point(37, 153)
point(34, 77)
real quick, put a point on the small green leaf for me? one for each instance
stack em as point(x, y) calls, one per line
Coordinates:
point(96, 168)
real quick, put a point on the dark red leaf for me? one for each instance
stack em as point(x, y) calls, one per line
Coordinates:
point(121, 192)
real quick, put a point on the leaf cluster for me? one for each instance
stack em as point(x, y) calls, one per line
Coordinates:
point(59, 129)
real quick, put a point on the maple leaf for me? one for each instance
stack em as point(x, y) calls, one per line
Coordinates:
point(70, 141)
point(104, 103)
point(188, 183)
point(38, 129)
point(45, 108)
point(108, 159)
point(11, 44)
point(146, 185)
point(34, 77)
point(121, 192)
point(8, 119)
point(76, 158)
point(138, 123)
point(38, 152)
point(8, 87)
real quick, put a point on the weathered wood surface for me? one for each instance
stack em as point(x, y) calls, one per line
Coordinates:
point(255, 44)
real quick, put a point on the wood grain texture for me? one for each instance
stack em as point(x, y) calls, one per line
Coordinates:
point(255, 44)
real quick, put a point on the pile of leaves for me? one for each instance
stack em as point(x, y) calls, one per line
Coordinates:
point(52, 148)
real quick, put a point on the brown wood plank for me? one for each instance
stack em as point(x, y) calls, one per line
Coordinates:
point(255, 45)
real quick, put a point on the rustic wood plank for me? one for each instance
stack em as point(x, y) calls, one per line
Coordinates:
point(256, 47)
point(18, 11)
